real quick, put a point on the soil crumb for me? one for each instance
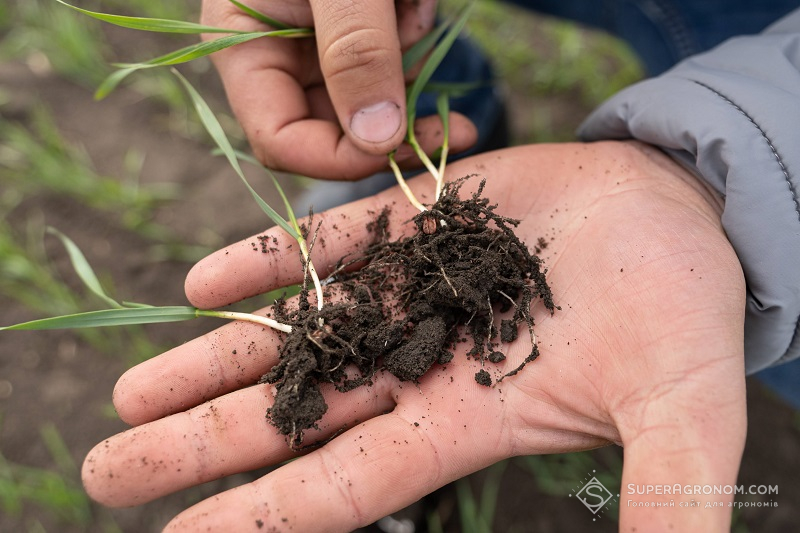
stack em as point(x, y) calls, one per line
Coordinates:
point(482, 377)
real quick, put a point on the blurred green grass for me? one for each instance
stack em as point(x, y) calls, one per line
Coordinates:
point(35, 158)
point(55, 488)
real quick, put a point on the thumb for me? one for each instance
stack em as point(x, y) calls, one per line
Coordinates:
point(361, 61)
point(682, 456)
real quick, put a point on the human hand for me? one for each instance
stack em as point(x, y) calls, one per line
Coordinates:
point(331, 107)
point(645, 352)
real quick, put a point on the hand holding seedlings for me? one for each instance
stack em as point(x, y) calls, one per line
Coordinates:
point(646, 352)
point(343, 93)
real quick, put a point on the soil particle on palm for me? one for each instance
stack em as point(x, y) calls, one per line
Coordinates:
point(508, 331)
point(406, 309)
point(482, 377)
point(422, 347)
point(496, 357)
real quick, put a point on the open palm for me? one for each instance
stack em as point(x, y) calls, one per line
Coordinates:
point(646, 351)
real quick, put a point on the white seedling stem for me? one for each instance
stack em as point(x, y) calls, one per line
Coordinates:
point(312, 272)
point(247, 317)
point(423, 157)
point(401, 181)
point(440, 175)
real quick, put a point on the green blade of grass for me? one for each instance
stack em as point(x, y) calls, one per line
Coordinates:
point(110, 317)
point(198, 50)
point(436, 57)
point(10, 497)
point(253, 161)
point(490, 492)
point(214, 129)
point(186, 54)
point(476, 515)
point(150, 24)
point(453, 89)
point(443, 110)
point(468, 508)
point(261, 17)
point(414, 54)
point(243, 156)
point(287, 205)
point(83, 268)
point(108, 85)
point(58, 450)
point(135, 304)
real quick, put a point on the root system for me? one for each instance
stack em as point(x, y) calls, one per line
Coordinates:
point(408, 307)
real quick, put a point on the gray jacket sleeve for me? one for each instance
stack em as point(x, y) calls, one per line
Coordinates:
point(732, 116)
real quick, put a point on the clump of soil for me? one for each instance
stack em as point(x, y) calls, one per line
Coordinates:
point(410, 304)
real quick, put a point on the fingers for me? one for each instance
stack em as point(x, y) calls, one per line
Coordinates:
point(361, 61)
point(415, 19)
point(368, 472)
point(270, 85)
point(331, 110)
point(269, 92)
point(224, 436)
point(430, 134)
point(229, 358)
point(692, 436)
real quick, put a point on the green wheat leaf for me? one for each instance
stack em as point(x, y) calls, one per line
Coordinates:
point(454, 89)
point(83, 268)
point(247, 158)
point(151, 24)
point(110, 83)
point(177, 57)
point(135, 304)
point(289, 210)
point(443, 110)
point(198, 50)
point(261, 17)
point(433, 62)
point(414, 54)
point(214, 129)
point(110, 317)
point(186, 54)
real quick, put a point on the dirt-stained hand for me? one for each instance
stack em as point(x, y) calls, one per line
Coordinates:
point(646, 352)
point(331, 107)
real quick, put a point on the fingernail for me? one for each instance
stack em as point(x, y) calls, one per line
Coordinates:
point(376, 123)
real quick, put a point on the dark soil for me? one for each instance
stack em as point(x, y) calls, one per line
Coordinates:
point(408, 306)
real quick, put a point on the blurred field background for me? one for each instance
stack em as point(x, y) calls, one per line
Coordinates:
point(132, 181)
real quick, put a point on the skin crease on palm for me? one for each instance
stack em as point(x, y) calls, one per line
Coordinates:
point(646, 352)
